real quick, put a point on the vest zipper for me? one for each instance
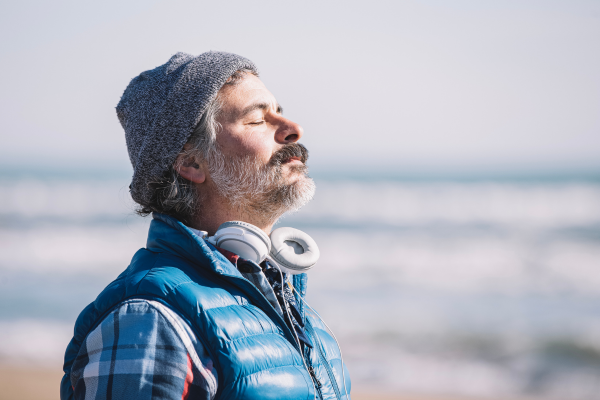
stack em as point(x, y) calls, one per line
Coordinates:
point(324, 360)
point(317, 382)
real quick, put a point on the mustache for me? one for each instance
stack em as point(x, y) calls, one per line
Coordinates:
point(289, 151)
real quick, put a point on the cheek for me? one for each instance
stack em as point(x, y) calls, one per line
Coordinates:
point(245, 142)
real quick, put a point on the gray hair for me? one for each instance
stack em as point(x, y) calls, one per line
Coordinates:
point(174, 195)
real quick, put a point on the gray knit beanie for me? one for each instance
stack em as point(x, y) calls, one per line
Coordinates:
point(160, 109)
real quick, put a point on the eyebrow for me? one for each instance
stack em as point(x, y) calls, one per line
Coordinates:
point(259, 106)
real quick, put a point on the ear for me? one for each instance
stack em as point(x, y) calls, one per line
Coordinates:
point(190, 168)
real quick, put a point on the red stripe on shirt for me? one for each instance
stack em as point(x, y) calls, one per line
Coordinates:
point(189, 377)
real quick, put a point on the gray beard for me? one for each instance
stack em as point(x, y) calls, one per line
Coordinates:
point(259, 190)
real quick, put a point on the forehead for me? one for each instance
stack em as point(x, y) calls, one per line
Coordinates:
point(235, 98)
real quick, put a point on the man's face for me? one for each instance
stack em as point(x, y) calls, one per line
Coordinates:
point(258, 166)
point(253, 125)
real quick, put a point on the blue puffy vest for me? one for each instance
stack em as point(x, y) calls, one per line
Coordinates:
point(254, 351)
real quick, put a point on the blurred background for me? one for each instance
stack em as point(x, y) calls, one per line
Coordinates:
point(456, 151)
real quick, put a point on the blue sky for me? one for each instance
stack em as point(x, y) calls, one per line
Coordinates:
point(406, 87)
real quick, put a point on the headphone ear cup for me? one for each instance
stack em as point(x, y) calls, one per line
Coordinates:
point(243, 239)
point(294, 250)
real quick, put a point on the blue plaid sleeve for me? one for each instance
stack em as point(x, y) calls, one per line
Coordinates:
point(143, 350)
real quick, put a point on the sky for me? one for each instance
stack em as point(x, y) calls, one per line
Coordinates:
point(402, 87)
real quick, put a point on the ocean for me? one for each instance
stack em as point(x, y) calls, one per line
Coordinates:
point(483, 288)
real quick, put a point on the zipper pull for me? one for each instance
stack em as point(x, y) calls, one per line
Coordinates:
point(311, 370)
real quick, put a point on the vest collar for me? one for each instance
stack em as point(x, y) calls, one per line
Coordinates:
point(167, 234)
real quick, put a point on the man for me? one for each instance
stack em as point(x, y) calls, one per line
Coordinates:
point(208, 144)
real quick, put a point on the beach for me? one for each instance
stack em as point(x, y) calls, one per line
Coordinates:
point(17, 382)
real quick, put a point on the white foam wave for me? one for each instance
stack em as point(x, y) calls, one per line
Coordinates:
point(34, 198)
point(543, 205)
point(71, 248)
point(399, 203)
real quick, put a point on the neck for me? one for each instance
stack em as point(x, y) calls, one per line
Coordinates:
point(216, 210)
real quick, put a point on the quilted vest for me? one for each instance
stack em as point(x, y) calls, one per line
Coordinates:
point(252, 348)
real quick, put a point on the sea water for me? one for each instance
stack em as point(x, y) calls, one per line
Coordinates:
point(479, 288)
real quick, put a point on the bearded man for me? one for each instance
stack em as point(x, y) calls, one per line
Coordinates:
point(187, 319)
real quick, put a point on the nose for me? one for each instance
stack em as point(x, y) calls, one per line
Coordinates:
point(288, 131)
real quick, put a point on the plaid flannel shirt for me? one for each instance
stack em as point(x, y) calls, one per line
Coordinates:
point(143, 350)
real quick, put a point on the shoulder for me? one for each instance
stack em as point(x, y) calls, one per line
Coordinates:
point(142, 341)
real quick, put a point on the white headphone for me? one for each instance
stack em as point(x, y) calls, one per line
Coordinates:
point(291, 249)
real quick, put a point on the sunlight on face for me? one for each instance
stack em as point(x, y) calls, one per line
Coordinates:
point(257, 164)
